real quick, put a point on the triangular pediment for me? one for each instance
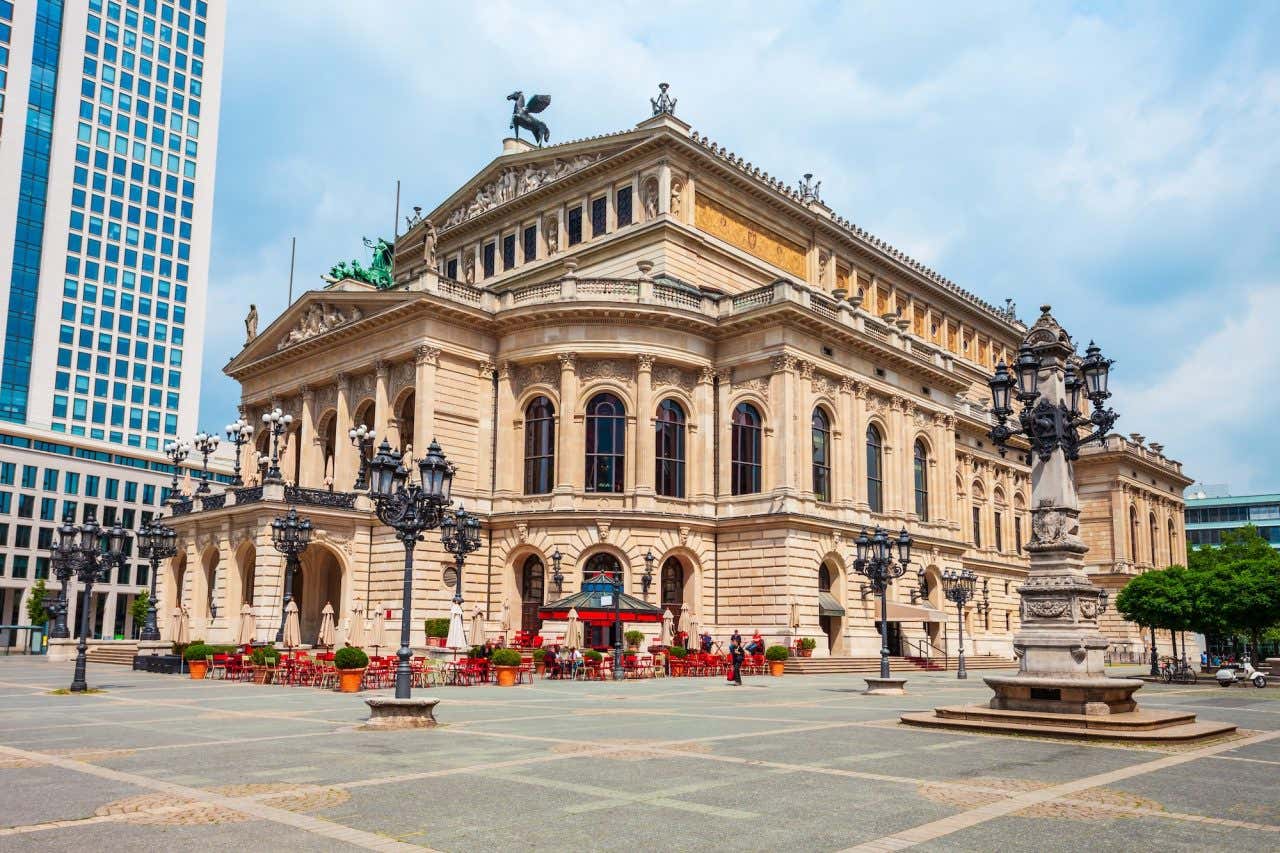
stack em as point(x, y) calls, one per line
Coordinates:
point(318, 314)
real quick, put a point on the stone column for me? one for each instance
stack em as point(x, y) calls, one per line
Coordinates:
point(108, 626)
point(702, 442)
point(383, 418)
point(845, 486)
point(426, 361)
point(569, 435)
point(800, 414)
point(511, 441)
point(859, 443)
point(782, 474)
point(643, 466)
point(312, 471)
point(664, 188)
point(725, 426)
point(345, 462)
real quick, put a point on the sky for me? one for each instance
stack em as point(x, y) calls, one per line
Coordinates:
point(1118, 161)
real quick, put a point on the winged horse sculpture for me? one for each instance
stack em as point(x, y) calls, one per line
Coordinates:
point(522, 115)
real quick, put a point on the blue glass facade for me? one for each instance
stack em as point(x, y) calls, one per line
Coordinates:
point(15, 374)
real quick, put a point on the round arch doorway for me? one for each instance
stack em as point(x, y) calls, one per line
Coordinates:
point(604, 567)
point(532, 590)
point(318, 582)
point(830, 612)
point(673, 579)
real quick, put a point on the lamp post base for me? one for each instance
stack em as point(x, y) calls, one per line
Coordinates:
point(387, 714)
point(885, 686)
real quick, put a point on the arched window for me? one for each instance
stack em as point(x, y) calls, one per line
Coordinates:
point(539, 446)
point(875, 469)
point(922, 481)
point(606, 443)
point(669, 449)
point(1151, 523)
point(824, 578)
point(1133, 533)
point(1173, 542)
point(821, 455)
point(602, 566)
point(532, 580)
point(747, 451)
point(673, 589)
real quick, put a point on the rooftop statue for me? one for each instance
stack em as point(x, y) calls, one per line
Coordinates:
point(378, 273)
point(664, 104)
point(521, 115)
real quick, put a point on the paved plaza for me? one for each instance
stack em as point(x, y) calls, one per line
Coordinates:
point(801, 763)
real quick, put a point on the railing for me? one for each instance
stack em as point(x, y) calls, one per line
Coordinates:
point(824, 306)
point(319, 497)
point(926, 651)
point(248, 495)
point(753, 298)
point(214, 501)
point(536, 292)
point(181, 507)
point(676, 295)
point(465, 292)
point(609, 286)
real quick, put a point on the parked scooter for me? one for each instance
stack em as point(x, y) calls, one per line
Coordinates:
point(1228, 676)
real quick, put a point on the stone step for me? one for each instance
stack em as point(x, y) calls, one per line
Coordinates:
point(1136, 726)
point(869, 665)
point(121, 655)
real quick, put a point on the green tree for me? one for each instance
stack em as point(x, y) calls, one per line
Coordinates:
point(1158, 599)
point(138, 609)
point(36, 614)
point(1255, 607)
point(1236, 587)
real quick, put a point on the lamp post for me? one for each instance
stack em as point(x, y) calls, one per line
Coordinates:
point(156, 542)
point(239, 433)
point(177, 451)
point(62, 570)
point(460, 535)
point(290, 535)
point(646, 580)
point(875, 562)
point(278, 423)
point(92, 551)
point(362, 438)
point(409, 509)
point(616, 577)
point(557, 577)
point(205, 444)
point(958, 587)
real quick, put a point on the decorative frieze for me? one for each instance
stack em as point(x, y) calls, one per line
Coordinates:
point(318, 319)
point(607, 368)
point(514, 182)
point(539, 373)
point(670, 376)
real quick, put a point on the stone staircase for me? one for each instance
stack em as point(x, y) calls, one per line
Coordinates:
point(871, 665)
point(117, 653)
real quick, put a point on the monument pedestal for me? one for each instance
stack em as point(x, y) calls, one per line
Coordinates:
point(885, 686)
point(387, 713)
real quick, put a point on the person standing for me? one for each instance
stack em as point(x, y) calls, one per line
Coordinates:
point(736, 655)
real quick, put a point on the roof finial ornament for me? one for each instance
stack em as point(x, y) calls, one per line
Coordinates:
point(521, 115)
point(809, 191)
point(664, 104)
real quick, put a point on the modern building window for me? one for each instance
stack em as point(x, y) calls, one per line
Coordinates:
point(599, 214)
point(820, 432)
point(487, 259)
point(921, 473)
point(539, 446)
point(530, 239)
point(622, 205)
point(875, 469)
point(51, 479)
point(747, 451)
point(20, 563)
point(606, 443)
point(977, 527)
point(22, 536)
point(573, 223)
point(998, 523)
point(26, 505)
point(669, 436)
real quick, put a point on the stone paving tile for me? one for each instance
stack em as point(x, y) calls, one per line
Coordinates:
point(251, 836)
point(1073, 836)
point(1221, 789)
point(39, 794)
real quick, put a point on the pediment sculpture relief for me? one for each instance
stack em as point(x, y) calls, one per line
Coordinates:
point(317, 320)
point(514, 182)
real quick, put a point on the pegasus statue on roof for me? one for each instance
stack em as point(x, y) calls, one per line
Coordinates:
point(522, 115)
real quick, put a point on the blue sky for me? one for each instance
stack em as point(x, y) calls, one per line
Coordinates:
point(1119, 161)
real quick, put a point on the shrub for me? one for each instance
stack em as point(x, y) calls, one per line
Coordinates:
point(265, 656)
point(539, 655)
point(36, 612)
point(506, 657)
point(350, 657)
point(678, 652)
point(807, 643)
point(634, 638)
point(478, 652)
point(437, 627)
point(776, 653)
point(196, 651)
point(592, 655)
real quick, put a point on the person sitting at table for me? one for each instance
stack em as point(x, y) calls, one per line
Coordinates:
point(706, 642)
point(756, 646)
point(575, 661)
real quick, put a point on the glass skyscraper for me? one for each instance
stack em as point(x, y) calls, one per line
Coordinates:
point(108, 141)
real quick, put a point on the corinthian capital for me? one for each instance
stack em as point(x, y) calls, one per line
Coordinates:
point(427, 355)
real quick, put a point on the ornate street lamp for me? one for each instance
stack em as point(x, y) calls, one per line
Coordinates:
point(156, 542)
point(177, 451)
point(646, 580)
point(206, 444)
point(92, 551)
point(958, 587)
point(362, 438)
point(557, 577)
point(240, 433)
point(62, 570)
point(278, 423)
point(875, 561)
point(290, 535)
point(409, 509)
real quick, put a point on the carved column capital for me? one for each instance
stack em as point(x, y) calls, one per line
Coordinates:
point(848, 385)
point(806, 369)
point(644, 361)
point(706, 375)
point(427, 355)
point(568, 360)
point(783, 363)
point(344, 382)
point(381, 368)
point(308, 394)
point(486, 369)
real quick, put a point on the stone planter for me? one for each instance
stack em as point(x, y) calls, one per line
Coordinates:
point(349, 680)
point(197, 668)
point(507, 675)
point(776, 667)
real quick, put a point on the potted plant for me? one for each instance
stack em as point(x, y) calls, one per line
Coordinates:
point(350, 662)
point(777, 658)
point(478, 653)
point(506, 662)
point(805, 646)
point(592, 655)
point(264, 660)
point(678, 654)
point(437, 632)
point(540, 662)
point(634, 639)
point(197, 657)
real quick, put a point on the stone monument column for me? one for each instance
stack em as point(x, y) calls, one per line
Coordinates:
point(344, 455)
point(644, 467)
point(569, 436)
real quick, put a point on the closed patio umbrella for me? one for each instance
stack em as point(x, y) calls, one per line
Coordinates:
point(477, 626)
point(457, 634)
point(181, 626)
point(355, 632)
point(377, 632)
point(573, 630)
point(248, 625)
point(325, 636)
point(506, 617)
point(292, 629)
point(694, 630)
point(667, 628)
point(793, 616)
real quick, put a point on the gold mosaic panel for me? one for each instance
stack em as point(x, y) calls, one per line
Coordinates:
point(752, 238)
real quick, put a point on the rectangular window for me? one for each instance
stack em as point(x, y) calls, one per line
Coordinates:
point(530, 243)
point(451, 269)
point(20, 563)
point(999, 533)
point(487, 258)
point(508, 251)
point(977, 527)
point(29, 474)
point(8, 472)
point(574, 225)
point(599, 215)
point(131, 492)
point(48, 509)
point(51, 479)
point(622, 201)
point(1017, 533)
point(22, 536)
point(72, 483)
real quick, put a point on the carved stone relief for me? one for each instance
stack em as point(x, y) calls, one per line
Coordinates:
point(514, 182)
point(318, 319)
point(541, 373)
point(606, 368)
point(670, 376)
